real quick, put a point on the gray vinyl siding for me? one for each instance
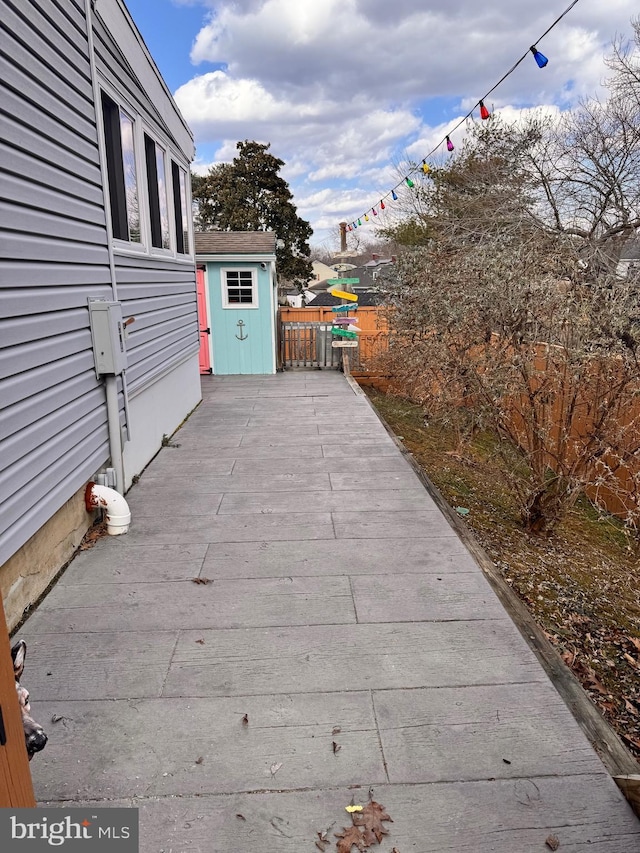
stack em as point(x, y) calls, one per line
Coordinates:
point(162, 298)
point(53, 256)
point(156, 289)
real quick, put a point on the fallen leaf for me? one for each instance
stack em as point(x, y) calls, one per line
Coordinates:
point(200, 760)
point(349, 838)
point(352, 809)
point(245, 720)
point(552, 842)
point(275, 767)
point(634, 663)
point(321, 845)
point(506, 761)
point(633, 741)
point(336, 747)
point(240, 816)
point(635, 642)
point(630, 708)
point(203, 581)
point(336, 730)
point(371, 818)
point(200, 642)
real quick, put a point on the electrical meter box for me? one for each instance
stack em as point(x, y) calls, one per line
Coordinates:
point(108, 336)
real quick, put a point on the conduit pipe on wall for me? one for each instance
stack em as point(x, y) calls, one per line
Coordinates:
point(115, 506)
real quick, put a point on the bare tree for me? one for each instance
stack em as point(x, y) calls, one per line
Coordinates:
point(510, 320)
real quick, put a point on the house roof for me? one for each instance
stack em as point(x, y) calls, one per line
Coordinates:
point(235, 242)
point(631, 251)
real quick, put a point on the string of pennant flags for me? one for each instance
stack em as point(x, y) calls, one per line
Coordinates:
point(541, 61)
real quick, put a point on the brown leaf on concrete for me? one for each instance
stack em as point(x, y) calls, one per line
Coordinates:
point(203, 581)
point(371, 818)
point(552, 842)
point(200, 642)
point(245, 720)
point(351, 837)
point(240, 816)
point(200, 760)
point(336, 730)
point(93, 535)
point(336, 747)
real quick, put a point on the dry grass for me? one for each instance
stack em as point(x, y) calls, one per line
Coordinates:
point(581, 584)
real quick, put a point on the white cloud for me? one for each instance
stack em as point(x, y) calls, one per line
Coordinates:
point(342, 88)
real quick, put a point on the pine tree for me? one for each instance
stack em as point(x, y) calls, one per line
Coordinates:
point(248, 194)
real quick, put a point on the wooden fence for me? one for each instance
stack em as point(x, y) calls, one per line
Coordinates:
point(301, 347)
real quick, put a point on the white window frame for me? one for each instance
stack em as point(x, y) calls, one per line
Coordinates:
point(132, 246)
point(140, 128)
point(224, 284)
point(169, 251)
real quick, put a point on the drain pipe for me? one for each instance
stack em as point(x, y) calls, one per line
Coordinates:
point(116, 507)
point(113, 426)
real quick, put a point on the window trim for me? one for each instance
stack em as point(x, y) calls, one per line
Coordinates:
point(242, 306)
point(171, 155)
point(180, 211)
point(111, 143)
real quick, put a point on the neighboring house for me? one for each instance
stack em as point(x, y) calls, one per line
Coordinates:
point(241, 297)
point(96, 206)
point(629, 258)
point(370, 282)
point(320, 271)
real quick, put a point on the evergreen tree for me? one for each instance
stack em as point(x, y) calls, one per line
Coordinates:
point(248, 194)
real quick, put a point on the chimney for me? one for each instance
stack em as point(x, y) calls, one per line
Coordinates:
point(343, 236)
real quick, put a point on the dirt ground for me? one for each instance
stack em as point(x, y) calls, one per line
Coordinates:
point(581, 584)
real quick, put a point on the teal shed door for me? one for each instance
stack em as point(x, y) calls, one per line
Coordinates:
point(242, 319)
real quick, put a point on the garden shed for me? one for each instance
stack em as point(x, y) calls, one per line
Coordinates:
point(238, 274)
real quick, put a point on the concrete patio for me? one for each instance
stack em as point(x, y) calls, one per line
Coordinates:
point(340, 608)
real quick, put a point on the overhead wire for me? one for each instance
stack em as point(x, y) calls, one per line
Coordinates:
point(445, 139)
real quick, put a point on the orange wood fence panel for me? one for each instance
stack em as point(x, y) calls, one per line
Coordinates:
point(16, 788)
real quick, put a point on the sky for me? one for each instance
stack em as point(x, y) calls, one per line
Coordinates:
point(346, 91)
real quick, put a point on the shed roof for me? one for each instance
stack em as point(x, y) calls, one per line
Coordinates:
point(235, 242)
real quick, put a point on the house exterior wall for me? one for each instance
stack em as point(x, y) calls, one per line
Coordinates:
point(256, 354)
point(56, 252)
point(53, 255)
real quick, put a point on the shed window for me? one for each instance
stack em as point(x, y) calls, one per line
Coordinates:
point(121, 171)
point(239, 288)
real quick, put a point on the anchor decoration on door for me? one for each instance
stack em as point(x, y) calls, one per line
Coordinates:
point(241, 336)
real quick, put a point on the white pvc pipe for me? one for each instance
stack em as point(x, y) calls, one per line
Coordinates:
point(116, 507)
point(113, 425)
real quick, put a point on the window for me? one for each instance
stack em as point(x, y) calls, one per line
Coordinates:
point(157, 185)
point(121, 171)
point(179, 182)
point(144, 215)
point(239, 289)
